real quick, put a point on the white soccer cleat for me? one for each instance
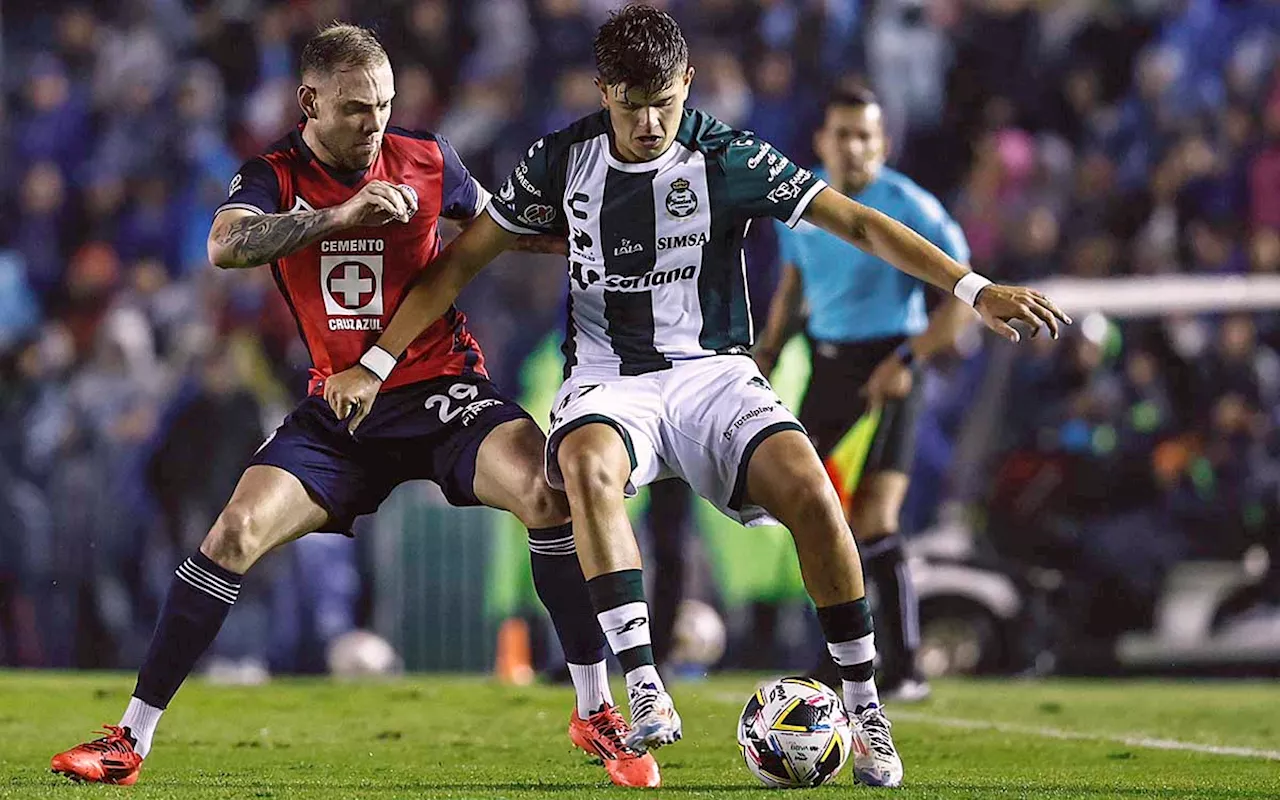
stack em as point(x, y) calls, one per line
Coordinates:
point(654, 721)
point(875, 759)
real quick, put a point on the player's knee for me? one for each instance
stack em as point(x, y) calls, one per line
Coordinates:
point(540, 506)
point(236, 540)
point(589, 473)
point(809, 506)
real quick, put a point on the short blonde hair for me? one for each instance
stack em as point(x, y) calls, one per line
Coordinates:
point(340, 45)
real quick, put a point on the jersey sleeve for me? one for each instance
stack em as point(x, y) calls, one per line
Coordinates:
point(463, 196)
point(528, 203)
point(763, 182)
point(254, 188)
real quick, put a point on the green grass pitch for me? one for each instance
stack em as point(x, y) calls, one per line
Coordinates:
point(465, 737)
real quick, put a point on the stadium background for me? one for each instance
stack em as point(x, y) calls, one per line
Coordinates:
point(1078, 138)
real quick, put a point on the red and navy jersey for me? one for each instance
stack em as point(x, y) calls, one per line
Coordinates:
point(344, 288)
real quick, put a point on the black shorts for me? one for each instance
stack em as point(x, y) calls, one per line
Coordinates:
point(430, 431)
point(834, 402)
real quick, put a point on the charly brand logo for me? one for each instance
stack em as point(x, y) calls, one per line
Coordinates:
point(632, 624)
point(681, 200)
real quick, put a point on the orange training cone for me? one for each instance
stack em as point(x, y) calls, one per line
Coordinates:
point(514, 662)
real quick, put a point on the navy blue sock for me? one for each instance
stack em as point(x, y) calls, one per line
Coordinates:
point(199, 598)
point(557, 577)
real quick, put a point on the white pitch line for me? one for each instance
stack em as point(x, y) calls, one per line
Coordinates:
point(1057, 733)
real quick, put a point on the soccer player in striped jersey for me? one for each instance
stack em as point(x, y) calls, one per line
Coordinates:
point(869, 336)
point(654, 200)
point(346, 211)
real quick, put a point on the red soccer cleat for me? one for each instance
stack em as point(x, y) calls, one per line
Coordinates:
point(602, 734)
point(110, 759)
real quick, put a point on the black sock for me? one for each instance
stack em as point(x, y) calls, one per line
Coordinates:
point(851, 642)
point(897, 612)
point(669, 507)
point(557, 577)
point(199, 598)
point(618, 599)
point(847, 628)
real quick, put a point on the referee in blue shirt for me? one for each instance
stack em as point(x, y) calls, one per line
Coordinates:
point(869, 333)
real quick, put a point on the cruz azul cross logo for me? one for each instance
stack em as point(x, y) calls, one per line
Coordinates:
point(352, 285)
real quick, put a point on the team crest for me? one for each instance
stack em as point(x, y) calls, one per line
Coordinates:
point(681, 200)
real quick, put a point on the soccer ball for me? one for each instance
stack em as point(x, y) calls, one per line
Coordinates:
point(361, 654)
point(698, 637)
point(794, 732)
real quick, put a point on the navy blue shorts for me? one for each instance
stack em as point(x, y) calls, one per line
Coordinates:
point(430, 430)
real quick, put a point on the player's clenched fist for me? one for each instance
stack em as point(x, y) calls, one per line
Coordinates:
point(351, 394)
point(1000, 305)
point(380, 202)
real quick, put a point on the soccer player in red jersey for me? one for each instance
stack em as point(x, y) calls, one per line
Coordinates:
point(345, 210)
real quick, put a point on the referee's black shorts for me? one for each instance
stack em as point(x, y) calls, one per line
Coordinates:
point(834, 402)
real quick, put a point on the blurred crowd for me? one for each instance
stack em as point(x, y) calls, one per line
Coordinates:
point(1082, 137)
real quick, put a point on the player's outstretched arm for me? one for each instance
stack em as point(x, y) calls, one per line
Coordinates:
point(355, 389)
point(240, 238)
point(888, 239)
point(442, 281)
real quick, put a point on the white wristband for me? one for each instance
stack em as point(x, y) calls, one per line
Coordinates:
point(967, 288)
point(379, 362)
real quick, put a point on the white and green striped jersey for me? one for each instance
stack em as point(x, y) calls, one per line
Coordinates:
point(655, 248)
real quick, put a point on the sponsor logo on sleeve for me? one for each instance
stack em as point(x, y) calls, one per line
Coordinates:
point(755, 160)
point(537, 214)
point(522, 171)
point(508, 192)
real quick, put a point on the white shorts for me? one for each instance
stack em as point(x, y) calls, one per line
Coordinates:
point(700, 420)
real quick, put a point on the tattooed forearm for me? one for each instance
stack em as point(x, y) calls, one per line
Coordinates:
point(250, 241)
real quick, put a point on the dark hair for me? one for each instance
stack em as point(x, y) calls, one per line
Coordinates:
point(641, 47)
point(338, 46)
point(855, 96)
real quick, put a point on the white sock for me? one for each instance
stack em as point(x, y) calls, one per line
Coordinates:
point(141, 720)
point(857, 694)
point(860, 694)
point(626, 628)
point(645, 673)
point(591, 684)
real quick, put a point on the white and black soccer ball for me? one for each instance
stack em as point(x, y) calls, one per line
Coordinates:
point(794, 733)
point(360, 654)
